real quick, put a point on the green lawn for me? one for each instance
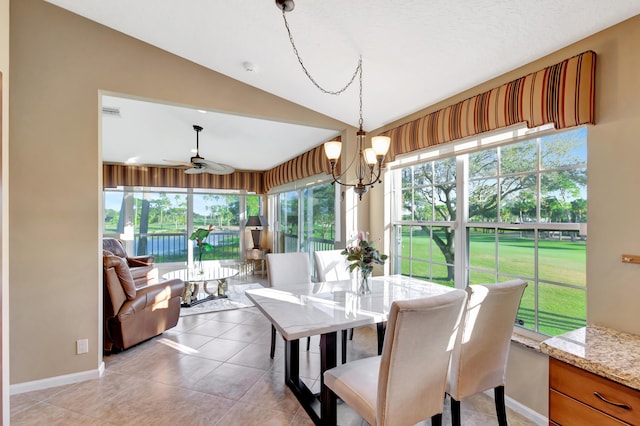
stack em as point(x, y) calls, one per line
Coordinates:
point(560, 308)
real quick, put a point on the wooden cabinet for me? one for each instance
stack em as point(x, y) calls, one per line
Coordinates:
point(578, 397)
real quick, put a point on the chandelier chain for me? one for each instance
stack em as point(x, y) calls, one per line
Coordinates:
point(358, 70)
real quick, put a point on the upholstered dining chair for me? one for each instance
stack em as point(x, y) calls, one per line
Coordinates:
point(405, 384)
point(479, 358)
point(284, 269)
point(331, 265)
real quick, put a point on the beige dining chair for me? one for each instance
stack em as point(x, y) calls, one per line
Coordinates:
point(405, 384)
point(331, 265)
point(285, 269)
point(479, 358)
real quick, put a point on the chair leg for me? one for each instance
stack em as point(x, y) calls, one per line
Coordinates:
point(455, 412)
point(501, 410)
point(351, 334)
point(273, 341)
point(381, 327)
point(436, 420)
point(344, 346)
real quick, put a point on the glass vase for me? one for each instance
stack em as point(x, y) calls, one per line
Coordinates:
point(363, 282)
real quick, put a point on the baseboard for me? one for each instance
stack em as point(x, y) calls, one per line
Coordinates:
point(521, 409)
point(51, 382)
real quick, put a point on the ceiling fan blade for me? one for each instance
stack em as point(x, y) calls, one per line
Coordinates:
point(218, 168)
point(195, 170)
point(179, 163)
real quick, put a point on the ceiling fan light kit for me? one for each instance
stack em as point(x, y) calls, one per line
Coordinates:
point(198, 164)
point(368, 161)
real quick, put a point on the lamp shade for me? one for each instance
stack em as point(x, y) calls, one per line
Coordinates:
point(370, 156)
point(332, 149)
point(257, 221)
point(380, 144)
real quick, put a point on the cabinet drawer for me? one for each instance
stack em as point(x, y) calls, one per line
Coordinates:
point(565, 411)
point(584, 386)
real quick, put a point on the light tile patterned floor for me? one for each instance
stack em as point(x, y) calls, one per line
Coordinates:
point(212, 369)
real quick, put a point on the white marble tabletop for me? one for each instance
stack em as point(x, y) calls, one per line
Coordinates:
point(309, 309)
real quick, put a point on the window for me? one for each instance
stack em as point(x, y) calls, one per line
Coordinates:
point(306, 219)
point(522, 216)
point(159, 221)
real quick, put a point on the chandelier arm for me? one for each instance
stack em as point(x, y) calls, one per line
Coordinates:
point(357, 71)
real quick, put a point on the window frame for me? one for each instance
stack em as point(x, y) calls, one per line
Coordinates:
point(461, 151)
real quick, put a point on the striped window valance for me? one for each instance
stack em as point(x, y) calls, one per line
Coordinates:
point(310, 163)
point(169, 177)
point(562, 94)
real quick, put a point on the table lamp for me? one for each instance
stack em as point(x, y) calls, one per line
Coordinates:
point(256, 224)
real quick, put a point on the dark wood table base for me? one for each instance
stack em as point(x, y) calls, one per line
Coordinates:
point(308, 400)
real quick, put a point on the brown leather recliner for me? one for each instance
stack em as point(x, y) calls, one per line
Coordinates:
point(134, 314)
point(142, 268)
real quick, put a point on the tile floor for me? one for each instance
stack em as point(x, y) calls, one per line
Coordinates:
point(211, 369)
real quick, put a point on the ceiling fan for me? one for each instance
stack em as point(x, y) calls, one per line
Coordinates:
point(199, 164)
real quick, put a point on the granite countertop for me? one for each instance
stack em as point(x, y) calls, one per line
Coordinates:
point(603, 351)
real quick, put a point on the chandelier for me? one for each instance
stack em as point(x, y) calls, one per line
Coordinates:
point(368, 162)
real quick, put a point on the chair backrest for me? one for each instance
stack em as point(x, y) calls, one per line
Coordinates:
point(417, 347)
point(288, 268)
point(331, 265)
point(114, 246)
point(479, 359)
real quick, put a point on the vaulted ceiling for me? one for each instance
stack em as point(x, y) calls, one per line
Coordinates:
point(414, 52)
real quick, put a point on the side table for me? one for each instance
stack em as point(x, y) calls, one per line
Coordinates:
point(255, 257)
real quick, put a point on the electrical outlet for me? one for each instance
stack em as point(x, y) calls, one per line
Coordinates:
point(82, 346)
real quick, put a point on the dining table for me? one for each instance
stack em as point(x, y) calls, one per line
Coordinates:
point(324, 308)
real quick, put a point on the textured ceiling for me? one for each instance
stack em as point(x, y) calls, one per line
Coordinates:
point(414, 53)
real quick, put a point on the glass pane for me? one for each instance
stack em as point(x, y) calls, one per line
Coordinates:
point(405, 266)
point(562, 257)
point(563, 196)
point(483, 198)
point(564, 149)
point(518, 199)
point(420, 269)
point(516, 253)
point(405, 176)
point(253, 205)
point(560, 309)
point(289, 221)
point(440, 274)
point(223, 213)
point(113, 212)
point(407, 204)
point(443, 244)
point(160, 225)
point(483, 164)
point(420, 243)
point(479, 277)
point(444, 171)
point(318, 226)
point(526, 313)
point(482, 249)
point(422, 174)
point(445, 202)
point(519, 157)
point(422, 206)
point(405, 241)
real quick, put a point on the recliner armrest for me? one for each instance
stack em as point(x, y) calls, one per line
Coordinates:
point(141, 261)
point(151, 295)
